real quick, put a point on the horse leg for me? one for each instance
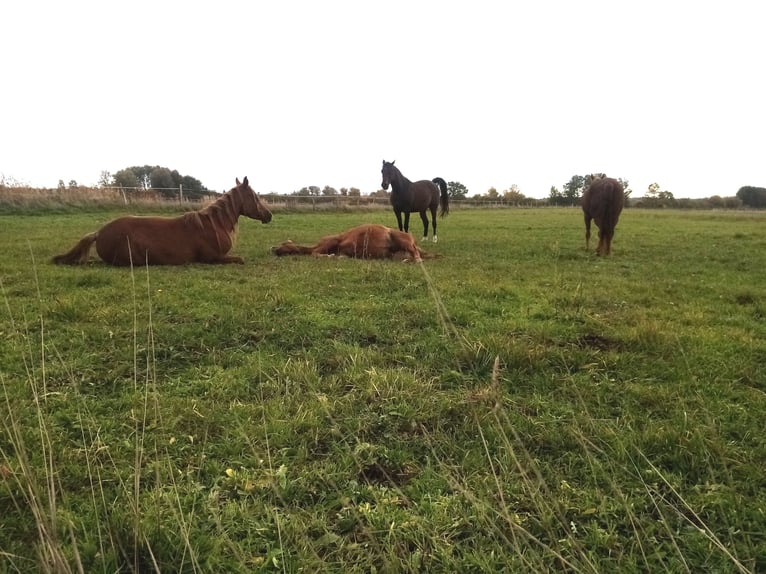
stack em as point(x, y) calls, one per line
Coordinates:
point(424, 219)
point(587, 231)
point(233, 259)
point(229, 259)
point(404, 245)
point(213, 258)
point(602, 239)
point(398, 214)
point(433, 222)
point(406, 222)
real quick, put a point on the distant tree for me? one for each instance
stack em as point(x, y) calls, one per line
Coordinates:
point(61, 185)
point(573, 190)
point(752, 196)
point(656, 197)
point(354, 192)
point(379, 193)
point(513, 194)
point(73, 184)
point(126, 178)
point(10, 182)
point(492, 193)
point(304, 191)
point(625, 186)
point(716, 201)
point(456, 190)
point(555, 197)
point(651, 194)
point(165, 180)
point(665, 195)
point(653, 190)
point(105, 179)
point(329, 190)
point(162, 180)
point(193, 188)
point(143, 175)
point(314, 190)
point(343, 191)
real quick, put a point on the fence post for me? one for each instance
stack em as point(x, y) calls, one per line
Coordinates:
point(180, 193)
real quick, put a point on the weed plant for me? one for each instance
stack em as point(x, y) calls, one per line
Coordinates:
point(516, 404)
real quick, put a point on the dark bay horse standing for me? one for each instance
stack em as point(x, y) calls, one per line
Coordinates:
point(203, 236)
point(408, 196)
point(602, 201)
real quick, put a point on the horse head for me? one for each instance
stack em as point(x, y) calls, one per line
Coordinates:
point(388, 171)
point(252, 205)
point(589, 179)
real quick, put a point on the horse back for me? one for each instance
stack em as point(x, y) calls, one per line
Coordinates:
point(603, 201)
point(364, 241)
point(425, 195)
point(375, 241)
point(155, 240)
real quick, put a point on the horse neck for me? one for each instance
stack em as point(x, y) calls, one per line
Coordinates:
point(399, 183)
point(225, 211)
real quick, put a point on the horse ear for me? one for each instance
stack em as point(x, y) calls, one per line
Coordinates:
point(393, 162)
point(245, 181)
point(237, 180)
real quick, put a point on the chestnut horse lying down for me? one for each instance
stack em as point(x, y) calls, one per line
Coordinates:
point(203, 236)
point(602, 201)
point(368, 241)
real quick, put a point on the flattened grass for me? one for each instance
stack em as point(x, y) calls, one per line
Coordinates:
point(515, 404)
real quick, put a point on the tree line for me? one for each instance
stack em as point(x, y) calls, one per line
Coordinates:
point(570, 194)
point(752, 196)
point(167, 182)
point(163, 180)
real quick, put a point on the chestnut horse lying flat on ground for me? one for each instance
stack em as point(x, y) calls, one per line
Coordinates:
point(369, 241)
point(203, 236)
point(602, 201)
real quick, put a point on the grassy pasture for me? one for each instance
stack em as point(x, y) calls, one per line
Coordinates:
point(517, 404)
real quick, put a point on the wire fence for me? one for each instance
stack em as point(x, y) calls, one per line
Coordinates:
point(22, 196)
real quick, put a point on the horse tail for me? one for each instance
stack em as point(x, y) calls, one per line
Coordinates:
point(79, 253)
point(444, 195)
point(614, 202)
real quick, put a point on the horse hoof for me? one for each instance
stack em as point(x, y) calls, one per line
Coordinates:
point(435, 240)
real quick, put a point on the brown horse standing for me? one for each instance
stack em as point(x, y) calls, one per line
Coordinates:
point(203, 236)
point(408, 196)
point(602, 201)
point(370, 241)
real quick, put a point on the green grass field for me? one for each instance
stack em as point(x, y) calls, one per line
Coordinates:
point(516, 404)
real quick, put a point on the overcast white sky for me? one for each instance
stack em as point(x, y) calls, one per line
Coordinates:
point(298, 93)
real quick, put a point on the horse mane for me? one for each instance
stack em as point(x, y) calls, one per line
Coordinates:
point(222, 215)
point(400, 180)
